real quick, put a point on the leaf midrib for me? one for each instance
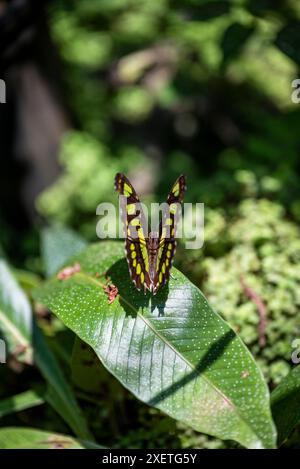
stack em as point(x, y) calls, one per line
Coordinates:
point(164, 340)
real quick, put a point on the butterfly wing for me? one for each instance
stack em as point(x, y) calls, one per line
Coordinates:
point(167, 233)
point(134, 224)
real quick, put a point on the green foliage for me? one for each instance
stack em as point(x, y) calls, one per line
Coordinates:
point(154, 77)
point(258, 245)
point(22, 401)
point(156, 88)
point(26, 343)
point(87, 181)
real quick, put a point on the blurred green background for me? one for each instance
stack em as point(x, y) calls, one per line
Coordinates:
point(156, 88)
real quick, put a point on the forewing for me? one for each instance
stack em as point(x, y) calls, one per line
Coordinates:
point(134, 225)
point(176, 194)
point(167, 233)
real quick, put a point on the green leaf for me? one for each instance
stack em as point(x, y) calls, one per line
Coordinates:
point(30, 438)
point(15, 316)
point(22, 336)
point(58, 244)
point(171, 350)
point(59, 395)
point(288, 41)
point(285, 401)
point(22, 401)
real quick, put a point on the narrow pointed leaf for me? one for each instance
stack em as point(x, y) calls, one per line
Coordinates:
point(171, 350)
point(30, 438)
point(59, 394)
point(18, 402)
point(15, 316)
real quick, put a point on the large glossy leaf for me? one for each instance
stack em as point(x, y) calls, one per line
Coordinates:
point(285, 401)
point(171, 350)
point(30, 438)
point(23, 338)
point(58, 244)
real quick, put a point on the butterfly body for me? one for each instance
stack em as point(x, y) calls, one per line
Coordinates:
point(150, 256)
point(152, 248)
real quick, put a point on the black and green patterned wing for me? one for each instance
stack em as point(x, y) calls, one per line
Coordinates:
point(135, 230)
point(167, 233)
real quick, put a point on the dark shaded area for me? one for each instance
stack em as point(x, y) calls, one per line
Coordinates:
point(138, 299)
point(29, 65)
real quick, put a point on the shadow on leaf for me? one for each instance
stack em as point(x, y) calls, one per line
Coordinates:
point(132, 299)
point(213, 354)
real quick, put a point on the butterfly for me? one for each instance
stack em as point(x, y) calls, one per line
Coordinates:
point(149, 256)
